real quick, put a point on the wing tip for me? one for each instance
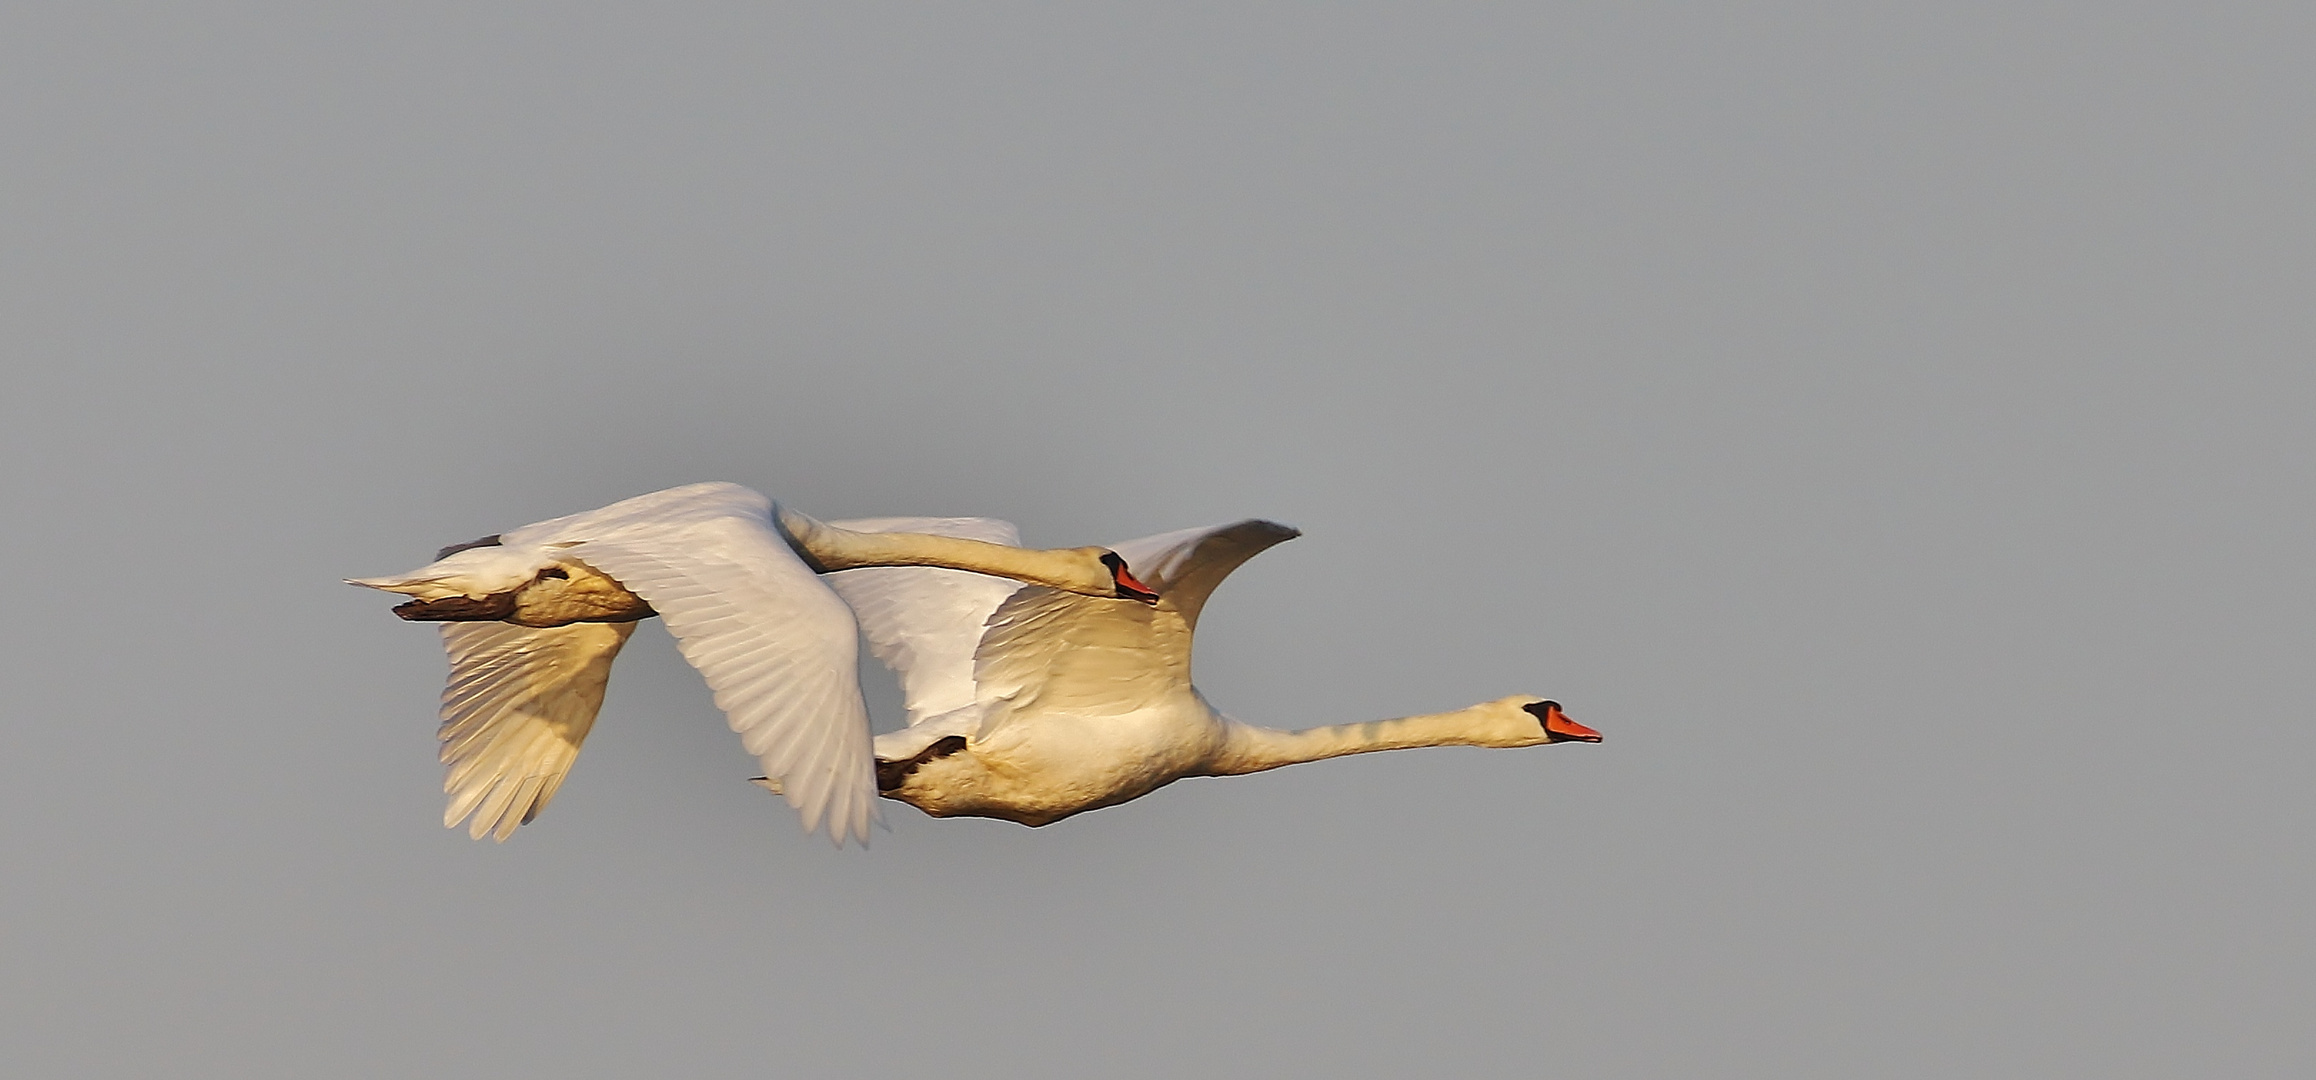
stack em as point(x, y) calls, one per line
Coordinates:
point(844, 824)
point(1279, 530)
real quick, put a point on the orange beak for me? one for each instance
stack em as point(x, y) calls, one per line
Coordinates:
point(1559, 728)
point(1129, 588)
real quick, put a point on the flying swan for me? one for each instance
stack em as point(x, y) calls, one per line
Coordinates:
point(1038, 684)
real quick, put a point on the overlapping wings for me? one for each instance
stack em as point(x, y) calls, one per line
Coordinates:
point(775, 644)
point(925, 621)
point(1057, 652)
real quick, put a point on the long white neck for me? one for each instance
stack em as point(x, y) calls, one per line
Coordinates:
point(827, 548)
point(1246, 748)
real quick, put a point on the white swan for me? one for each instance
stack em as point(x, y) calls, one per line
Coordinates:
point(533, 618)
point(1025, 702)
point(1031, 704)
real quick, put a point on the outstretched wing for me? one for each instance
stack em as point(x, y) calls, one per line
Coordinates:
point(519, 703)
point(924, 621)
point(1052, 651)
point(775, 644)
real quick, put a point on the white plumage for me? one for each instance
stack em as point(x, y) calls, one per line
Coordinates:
point(1028, 702)
point(519, 703)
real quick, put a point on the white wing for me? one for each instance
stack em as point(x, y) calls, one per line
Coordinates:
point(519, 703)
point(925, 621)
point(1051, 651)
point(650, 513)
point(775, 644)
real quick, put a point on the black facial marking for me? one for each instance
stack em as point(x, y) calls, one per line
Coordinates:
point(1540, 709)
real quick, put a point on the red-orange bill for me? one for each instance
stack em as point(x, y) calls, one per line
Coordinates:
point(1130, 587)
point(1561, 727)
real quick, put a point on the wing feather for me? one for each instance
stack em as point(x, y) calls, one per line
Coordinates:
point(776, 646)
point(922, 621)
point(519, 703)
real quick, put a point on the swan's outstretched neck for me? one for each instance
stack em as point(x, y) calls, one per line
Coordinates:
point(1512, 721)
point(826, 548)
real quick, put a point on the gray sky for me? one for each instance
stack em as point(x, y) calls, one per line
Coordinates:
point(1890, 427)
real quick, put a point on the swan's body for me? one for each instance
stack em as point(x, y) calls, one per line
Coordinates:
point(1026, 702)
point(1078, 703)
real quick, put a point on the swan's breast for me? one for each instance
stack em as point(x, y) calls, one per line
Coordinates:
point(1038, 770)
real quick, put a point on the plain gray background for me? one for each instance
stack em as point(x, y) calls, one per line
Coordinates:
point(1889, 424)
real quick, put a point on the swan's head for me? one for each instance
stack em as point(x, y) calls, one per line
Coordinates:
point(1122, 582)
point(1086, 571)
point(1557, 726)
